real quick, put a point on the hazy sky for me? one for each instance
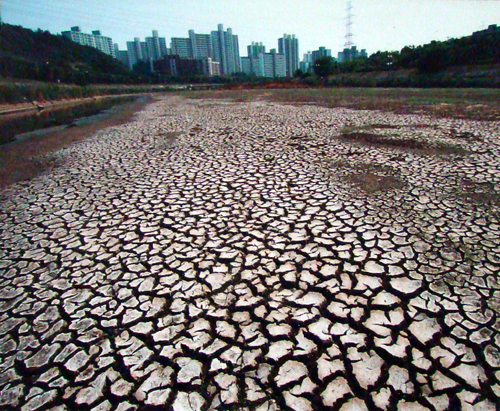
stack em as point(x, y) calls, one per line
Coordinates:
point(377, 24)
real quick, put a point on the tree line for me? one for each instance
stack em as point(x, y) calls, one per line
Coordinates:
point(477, 49)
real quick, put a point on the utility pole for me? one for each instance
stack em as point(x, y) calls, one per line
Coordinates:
point(348, 26)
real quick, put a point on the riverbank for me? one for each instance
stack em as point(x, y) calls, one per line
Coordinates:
point(34, 93)
point(26, 159)
point(23, 108)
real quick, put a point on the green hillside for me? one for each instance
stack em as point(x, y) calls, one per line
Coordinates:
point(482, 47)
point(470, 61)
point(39, 55)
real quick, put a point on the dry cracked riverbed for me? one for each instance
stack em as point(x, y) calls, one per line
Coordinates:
point(272, 257)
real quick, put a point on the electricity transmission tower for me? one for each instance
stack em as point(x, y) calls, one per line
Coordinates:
point(348, 26)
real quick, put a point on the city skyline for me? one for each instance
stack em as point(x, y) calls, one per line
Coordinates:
point(382, 25)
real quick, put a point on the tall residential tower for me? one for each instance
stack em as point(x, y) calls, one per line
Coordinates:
point(289, 46)
point(226, 50)
point(95, 40)
point(196, 46)
point(157, 46)
point(134, 50)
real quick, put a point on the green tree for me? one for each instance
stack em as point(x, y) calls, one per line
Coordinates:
point(325, 66)
point(382, 60)
point(298, 73)
point(434, 58)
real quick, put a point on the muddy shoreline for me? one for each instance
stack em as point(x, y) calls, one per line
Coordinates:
point(35, 106)
point(33, 155)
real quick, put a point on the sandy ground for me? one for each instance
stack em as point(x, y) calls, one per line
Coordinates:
point(258, 262)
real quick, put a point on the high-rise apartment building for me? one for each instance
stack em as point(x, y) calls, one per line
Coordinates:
point(321, 52)
point(246, 65)
point(95, 40)
point(196, 46)
point(201, 45)
point(251, 65)
point(154, 48)
point(157, 46)
point(233, 50)
point(306, 63)
point(103, 43)
point(173, 65)
point(263, 64)
point(134, 51)
point(351, 54)
point(220, 46)
point(279, 64)
point(289, 46)
point(181, 47)
point(226, 50)
point(273, 64)
point(255, 49)
point(121, 55)
point(145, 51)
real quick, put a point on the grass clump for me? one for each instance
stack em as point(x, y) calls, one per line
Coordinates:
point(372, 183)
point(405, 144)
point(479, 193)
point(371, 178)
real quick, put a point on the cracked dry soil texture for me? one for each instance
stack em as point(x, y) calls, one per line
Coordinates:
point(238, 268)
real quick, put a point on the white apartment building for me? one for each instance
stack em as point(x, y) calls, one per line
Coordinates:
point(157, 46)
point(270, 65)
point(226, 50)
point(95, 40)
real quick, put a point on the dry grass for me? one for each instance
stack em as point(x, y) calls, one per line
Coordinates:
point(24, 160)
point(372, 183)
point(477, 104)
point(479, 193)
point(371, 178)
point(379, 126)
point(404, 144)
point(464, 135)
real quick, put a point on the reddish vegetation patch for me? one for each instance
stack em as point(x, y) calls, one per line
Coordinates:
point(271, 85)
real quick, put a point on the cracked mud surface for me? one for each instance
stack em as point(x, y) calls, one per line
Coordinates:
point(242, 266)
